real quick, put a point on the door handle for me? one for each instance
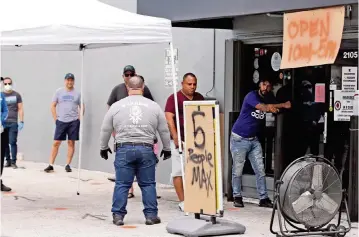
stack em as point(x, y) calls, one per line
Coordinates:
point(325, 128)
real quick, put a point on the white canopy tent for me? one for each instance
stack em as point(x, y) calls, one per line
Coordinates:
point(65, 24)
point(77, 25)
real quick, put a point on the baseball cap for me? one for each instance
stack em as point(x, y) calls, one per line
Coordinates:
point(129, 68)
point(70, 75)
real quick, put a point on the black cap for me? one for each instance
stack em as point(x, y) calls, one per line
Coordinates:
point(129, 68)
point(70, 75)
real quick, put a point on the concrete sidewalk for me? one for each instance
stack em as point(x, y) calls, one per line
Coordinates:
point(46, 205)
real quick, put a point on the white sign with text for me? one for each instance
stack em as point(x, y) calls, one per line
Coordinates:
point(168, 68)
point(345, 104)
point(349, 78)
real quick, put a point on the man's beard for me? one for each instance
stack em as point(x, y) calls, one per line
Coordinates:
point(262, 93)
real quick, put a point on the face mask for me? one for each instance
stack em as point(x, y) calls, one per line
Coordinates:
point(7, 87)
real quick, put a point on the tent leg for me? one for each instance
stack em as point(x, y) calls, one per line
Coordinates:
point(177, 114)
point(81, 121)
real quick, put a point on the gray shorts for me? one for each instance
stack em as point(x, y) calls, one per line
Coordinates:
point(176, 161)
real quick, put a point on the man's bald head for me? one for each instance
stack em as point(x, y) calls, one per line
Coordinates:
point(135, 83)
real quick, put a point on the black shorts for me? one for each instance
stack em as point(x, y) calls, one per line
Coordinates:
point(70, 129)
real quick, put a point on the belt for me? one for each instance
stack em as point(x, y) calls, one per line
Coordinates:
point(249, 138)
point(246, 138)
point(121, 144)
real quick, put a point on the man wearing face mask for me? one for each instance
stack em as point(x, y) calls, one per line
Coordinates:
point(309, 112)
point(135, 120)
point(14, 121)
point(119, 92)
point(244, 142)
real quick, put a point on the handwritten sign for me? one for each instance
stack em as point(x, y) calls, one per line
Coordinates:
point(200, 171)
point(312, 37)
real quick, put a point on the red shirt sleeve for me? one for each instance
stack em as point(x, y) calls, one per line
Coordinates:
point(170, 105)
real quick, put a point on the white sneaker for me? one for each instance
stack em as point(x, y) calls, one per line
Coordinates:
point(181, 206)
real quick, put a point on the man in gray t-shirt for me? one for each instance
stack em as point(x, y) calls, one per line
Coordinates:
point(65, 108)
point(119, 92)
point(135, 120)
point(14, 122)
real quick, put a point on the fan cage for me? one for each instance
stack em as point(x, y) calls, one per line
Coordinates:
point(294, 169)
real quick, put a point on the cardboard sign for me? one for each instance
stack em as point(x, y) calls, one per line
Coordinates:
point(312, 37)
point(349, 78)
point(200, 169)
point(345, 104)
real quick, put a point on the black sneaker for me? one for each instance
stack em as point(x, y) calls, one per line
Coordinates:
point(49, 169)
point(238, 202)
point(13, 165)
point(152, 220)
point(5, 189)
point(117, 219)
point(8, 164)
point(266, 203)
point(68, 168)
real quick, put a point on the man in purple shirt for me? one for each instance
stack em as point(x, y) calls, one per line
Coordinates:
point(244, 142)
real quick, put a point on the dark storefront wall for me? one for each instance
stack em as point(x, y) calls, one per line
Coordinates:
point(187, 10)
point(266, 31)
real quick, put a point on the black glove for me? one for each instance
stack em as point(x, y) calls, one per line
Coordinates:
point(104, 154)
point(166, 154)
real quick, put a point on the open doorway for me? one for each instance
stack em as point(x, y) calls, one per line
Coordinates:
point(309, 127)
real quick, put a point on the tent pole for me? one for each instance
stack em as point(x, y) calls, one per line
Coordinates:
point(81, 120)
point(177, 115)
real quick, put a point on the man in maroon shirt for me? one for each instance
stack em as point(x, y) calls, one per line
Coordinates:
point(187, 93)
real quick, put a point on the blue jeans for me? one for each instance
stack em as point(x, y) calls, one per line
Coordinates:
point(130, 161)
point(240, 148)
point(13, 131)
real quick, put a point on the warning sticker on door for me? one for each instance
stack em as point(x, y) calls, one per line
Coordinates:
point(344, 105)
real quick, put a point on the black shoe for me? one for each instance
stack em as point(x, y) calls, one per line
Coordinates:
point(153, 220)
point(49, 169)
point(8, 164)
point(238, 202)
point(5, 189)
point(68, 168)
point(112, 179)
point(117, 219)
point(13, 165)
point(266, 203)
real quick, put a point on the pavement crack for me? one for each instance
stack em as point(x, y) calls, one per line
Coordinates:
point(95, 216)
point(17, 198)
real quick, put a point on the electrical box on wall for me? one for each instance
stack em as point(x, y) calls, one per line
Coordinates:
point(348, 12)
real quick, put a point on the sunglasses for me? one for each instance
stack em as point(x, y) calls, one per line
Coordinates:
point(129, 75)
point(7, 84)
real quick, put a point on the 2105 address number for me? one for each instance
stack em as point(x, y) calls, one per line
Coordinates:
point(350, 55)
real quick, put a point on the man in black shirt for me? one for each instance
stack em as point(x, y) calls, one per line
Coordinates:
point(119, 92)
